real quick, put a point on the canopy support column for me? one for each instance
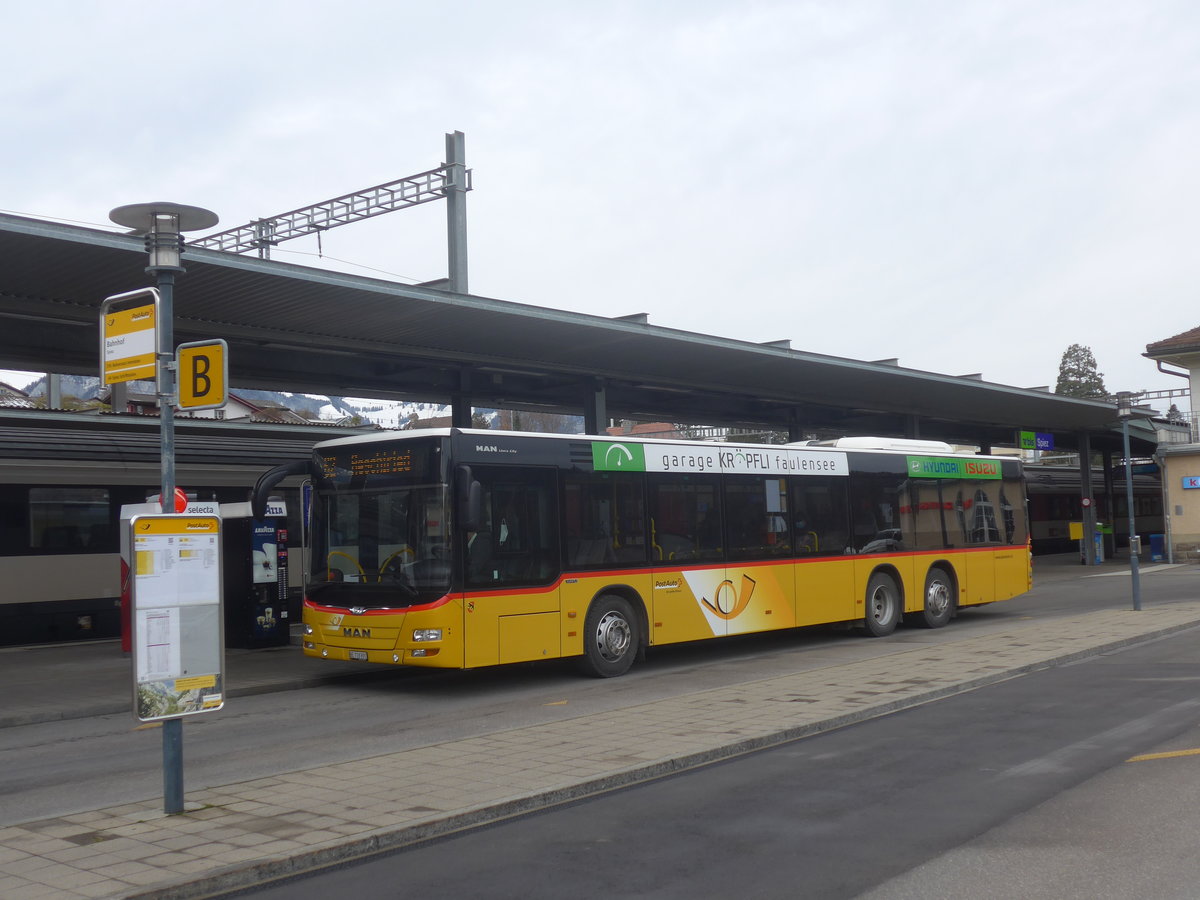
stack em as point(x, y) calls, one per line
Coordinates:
point(1087, 498)
point(460, 402)
point(795, 426)
point(595, 409)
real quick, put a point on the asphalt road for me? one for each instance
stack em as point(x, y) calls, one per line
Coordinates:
point(1021, 789)
point(66, 766)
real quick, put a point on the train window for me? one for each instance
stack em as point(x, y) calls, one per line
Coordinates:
point(70, 519)
point(12, 520)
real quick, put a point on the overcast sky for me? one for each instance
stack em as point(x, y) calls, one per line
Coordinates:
point(967, 186)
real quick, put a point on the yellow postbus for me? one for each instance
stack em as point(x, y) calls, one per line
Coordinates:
point(460, 548)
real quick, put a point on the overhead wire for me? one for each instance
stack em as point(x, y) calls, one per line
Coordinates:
point(109, 226)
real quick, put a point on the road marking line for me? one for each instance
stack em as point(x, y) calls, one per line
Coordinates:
point(1064, 759)
point(1151, 570)
point(1170, 755)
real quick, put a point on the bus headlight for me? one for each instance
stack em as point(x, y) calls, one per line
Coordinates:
point(308, 629)
point(427, 634)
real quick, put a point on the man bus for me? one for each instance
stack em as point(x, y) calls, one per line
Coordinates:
point(460, 548)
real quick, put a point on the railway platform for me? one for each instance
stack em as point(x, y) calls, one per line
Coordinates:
point(261, 829)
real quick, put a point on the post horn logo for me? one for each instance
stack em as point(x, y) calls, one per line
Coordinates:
point(728, 602)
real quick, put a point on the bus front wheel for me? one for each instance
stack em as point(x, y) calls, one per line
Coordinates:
point(610, 637)
point(883, 605)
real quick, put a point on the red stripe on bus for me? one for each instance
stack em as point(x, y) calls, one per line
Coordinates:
point(385, 611)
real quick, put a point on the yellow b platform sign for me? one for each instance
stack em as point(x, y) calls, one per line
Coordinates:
point(203, 374)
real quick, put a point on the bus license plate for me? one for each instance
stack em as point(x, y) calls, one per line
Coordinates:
point(359, 654)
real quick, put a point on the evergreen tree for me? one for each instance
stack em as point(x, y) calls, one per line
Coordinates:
point(1077, 375)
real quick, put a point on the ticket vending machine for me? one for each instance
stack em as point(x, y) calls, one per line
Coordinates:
point(255, 558)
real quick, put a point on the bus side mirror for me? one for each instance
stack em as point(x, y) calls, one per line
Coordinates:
point(267, 481)
point(469, 497)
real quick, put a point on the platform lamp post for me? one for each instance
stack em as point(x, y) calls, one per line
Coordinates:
point(163, 225)
point(1125, 412)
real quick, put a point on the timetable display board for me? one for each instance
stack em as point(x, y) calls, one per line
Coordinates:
point(178, 643)
point(379, 464)
point(129, 336)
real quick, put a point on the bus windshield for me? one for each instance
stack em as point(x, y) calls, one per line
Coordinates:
point(380, 549)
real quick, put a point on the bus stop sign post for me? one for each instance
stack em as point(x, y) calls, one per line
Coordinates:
point(163, 223)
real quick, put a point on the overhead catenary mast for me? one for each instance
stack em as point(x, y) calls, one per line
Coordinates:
point(449, 181)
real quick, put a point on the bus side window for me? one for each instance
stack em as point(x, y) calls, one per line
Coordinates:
point(882, 516)
point(685, 510)
point(520, 540)
point(819, 515)
point(976, 510)
point(605, 518)
point(1016, 520)
point(756, 512)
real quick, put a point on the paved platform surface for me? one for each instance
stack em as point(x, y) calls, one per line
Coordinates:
point(254, 830)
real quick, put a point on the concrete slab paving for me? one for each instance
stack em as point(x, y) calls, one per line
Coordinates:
point(255, 830)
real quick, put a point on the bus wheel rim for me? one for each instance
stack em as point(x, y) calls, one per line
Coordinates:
point(937, 598)
point(881, 604)
point(612, 636)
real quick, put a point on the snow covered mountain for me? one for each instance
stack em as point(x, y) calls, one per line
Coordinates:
point(319, 407)
point(392, 414)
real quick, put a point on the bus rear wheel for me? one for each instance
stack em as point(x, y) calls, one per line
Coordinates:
point(883, 606)
point(610, 637)
point(939, 599)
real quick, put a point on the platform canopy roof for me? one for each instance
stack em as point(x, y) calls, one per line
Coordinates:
point(309, 330)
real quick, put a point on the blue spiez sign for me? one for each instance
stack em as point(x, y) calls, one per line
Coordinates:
point(1036, 440)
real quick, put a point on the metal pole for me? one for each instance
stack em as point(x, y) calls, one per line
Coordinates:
point(163, 224)
point(172, 745)
point(1087, 494)
point(172, 737)
point(1133, 557)
point(166, 385)
point(456, 211)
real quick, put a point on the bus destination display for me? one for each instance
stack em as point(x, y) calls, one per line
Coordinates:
point(374, 463)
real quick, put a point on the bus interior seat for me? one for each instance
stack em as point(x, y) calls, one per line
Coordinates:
point(673, 546)
point(589, 551)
